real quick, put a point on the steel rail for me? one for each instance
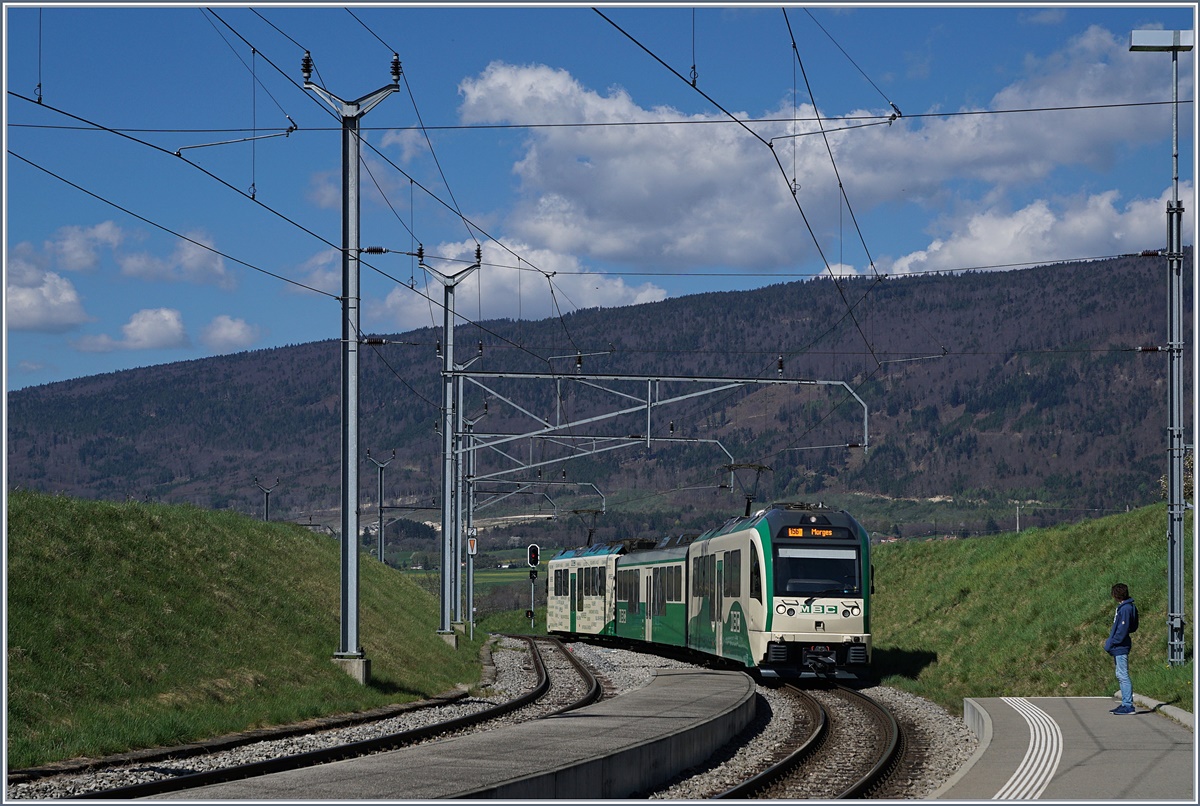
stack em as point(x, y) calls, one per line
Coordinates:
point(589, 678)
point(771, 774)
point(893, 750)
point(326, 755)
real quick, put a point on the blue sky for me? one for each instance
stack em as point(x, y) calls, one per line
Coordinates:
point(147, 257)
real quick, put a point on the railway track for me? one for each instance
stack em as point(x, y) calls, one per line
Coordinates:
point(851, 748)
point(562, 684)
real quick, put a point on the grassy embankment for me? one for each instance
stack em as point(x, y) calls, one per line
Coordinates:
point(1026, 614)
point(138, 625)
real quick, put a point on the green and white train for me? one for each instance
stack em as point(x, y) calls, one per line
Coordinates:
point(786, 591)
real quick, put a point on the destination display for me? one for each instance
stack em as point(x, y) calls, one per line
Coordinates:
point(816, 531)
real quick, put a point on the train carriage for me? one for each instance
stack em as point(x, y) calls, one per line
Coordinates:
point(786, 591)
point(582, 590)
point(650, 594)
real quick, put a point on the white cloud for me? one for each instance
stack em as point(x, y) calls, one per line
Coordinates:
point(666, 196)
point(713, 195)
point(1042, 231)
point(325, 190)
point(148, 329)
point(224, 334)
point(37, 299)
point(77, 248)
point(509, 289)
point(322, 271)
point(192, 261)
point(411, 142)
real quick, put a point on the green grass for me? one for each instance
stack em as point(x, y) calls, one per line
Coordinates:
point(1026, 614)
point(138, 625)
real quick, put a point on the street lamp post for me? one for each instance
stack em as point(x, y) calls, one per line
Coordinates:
point(1174, 42)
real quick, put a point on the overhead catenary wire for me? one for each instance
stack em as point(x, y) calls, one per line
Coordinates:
point(454, 207)
point(765, 142)
point(850, 59)
point(245, 195)
point(421, 125)
point(166, 229)
point(874, 120)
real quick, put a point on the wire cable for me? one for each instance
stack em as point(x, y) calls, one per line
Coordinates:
point(168, 230)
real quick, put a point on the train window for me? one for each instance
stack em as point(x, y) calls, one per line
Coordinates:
point(579, 590)
point(755, 575)
point(732, 582)
point(658, 599)
point(816, 572)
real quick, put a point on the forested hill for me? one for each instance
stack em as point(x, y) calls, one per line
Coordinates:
point(1018, 385)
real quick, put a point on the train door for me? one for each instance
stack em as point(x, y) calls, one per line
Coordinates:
point(650, 602)
point(718, 595)
point(571, 604)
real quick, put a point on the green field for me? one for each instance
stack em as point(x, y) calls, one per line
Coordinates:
point(134, 625)
point(1026, 614)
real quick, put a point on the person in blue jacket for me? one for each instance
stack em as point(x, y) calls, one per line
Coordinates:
point(1118, 644)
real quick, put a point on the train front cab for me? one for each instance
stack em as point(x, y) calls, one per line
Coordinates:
point(818, 620)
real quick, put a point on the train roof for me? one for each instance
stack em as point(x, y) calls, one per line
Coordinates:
point(784, 513)
point(633, 544)
point(598, 550)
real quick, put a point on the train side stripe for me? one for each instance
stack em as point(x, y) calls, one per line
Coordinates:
point(1041, 759)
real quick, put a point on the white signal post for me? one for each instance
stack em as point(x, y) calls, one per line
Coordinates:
point(472, 550)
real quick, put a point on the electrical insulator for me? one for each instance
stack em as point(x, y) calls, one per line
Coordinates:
point(578, 361)
point(306, 66)
point(420, 253)
point(485, 406)
point(395, 67)
point(374, 250)
point(481, 347)
point(439, 347)
point(781, 366)
point(672, 426)
point(478, 254)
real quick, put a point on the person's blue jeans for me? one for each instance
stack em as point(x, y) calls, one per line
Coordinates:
point(1122, 664)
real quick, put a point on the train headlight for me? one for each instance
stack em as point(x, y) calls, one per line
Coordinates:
point(855, 610)
point(846, 613)
point(791, 611)
point(780, 609)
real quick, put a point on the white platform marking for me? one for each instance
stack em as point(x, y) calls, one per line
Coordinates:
point(1042, 757)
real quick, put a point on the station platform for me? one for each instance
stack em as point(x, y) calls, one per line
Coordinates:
point(615, 748)
point(1073, 748)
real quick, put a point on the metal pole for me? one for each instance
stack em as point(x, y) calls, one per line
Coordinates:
point(1175, 507)
point(448, 524)
point(449, 433)
point(459, 542)
point(1173, 41)
point(266, 497)
point(381, 466)
point(350, 112)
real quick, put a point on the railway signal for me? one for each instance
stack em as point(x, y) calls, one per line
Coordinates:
point(531, 556)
